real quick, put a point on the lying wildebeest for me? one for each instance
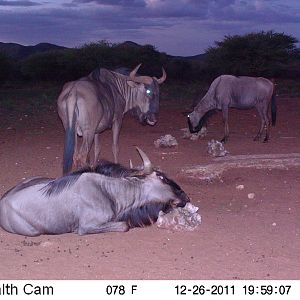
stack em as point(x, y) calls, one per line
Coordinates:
point(107, 198)
point(239, 92)
point(97, 102)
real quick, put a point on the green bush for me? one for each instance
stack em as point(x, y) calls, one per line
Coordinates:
point(6, 68)
point(253, 54)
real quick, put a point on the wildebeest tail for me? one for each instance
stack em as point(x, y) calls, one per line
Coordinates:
point(273, 107)
point(70, 135)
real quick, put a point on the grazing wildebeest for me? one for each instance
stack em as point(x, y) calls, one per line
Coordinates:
point(107, 198)
point(98, 102)
point(239, 92)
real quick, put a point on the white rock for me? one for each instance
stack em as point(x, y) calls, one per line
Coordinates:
point(251, 196)
point(193, 136)
point(46, 244)
point(240, 187)
point(180, 218)
point(216, 148)
point(166, 141)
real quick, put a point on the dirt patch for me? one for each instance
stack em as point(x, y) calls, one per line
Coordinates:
point(239, 238)
point(263, 161)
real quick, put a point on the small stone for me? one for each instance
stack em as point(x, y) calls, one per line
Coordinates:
point(251, 196)
point(240, 187)
point(216, 148)
point(194, 136)
point(166, 141)
point(46, 244)
point(180, 218)
point(274, 224)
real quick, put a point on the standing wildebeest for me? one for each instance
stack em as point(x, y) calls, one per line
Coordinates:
point(239, 92)
point(97, 102)
point(107, 198)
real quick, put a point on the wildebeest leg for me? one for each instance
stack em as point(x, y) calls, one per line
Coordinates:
point(87, 141)
point(97, 147)
point(76, 153)
point(263, 119)
point(257, 137)
point(225, 120)
point(115, 145)
point(107, 227)
point(267, 123)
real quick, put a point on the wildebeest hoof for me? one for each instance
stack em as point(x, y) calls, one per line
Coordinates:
point(265, 140)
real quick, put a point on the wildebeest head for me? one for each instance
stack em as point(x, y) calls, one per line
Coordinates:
point(199, 116)
point(147, 87)
point(159, 187)
point(158, 192)
point(197, 121)
point(194, 122)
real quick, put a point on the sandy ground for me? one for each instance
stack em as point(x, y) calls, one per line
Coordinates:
point(239, 238)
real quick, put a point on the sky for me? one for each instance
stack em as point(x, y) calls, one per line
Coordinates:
point(177, 27)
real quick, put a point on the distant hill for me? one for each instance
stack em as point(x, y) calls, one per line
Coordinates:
point(198, 57)
point(17, 51)
point(130, 44)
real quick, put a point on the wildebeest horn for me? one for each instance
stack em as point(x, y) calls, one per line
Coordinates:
point(146, 161)
point(139, 79)
point(163, 78)
point(133, 72)
point(130, 164)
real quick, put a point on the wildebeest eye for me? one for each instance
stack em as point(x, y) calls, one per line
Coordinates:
point(161, 177)
point(148, 92)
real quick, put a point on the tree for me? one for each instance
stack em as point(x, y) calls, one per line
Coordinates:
point(254, 54)
point(6, 67)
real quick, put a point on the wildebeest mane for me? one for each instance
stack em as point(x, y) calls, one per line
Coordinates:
point(205, 118)
point(26, 183)
point(144, 215)
point(95, 74)
point(104, 167)
point(111, 169)
point(57, 185)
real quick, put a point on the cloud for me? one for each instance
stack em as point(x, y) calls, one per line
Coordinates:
point(19, 3)
point(180, 27)
point(122, 3)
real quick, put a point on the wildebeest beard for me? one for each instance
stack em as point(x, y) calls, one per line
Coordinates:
point(144, 215)
point(202, 121)
point(143, 118)
point(195, 129)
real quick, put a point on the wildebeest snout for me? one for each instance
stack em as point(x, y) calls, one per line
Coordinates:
point(181, 200)
point(151, 119)
point(191, 127)
point(194, 122)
